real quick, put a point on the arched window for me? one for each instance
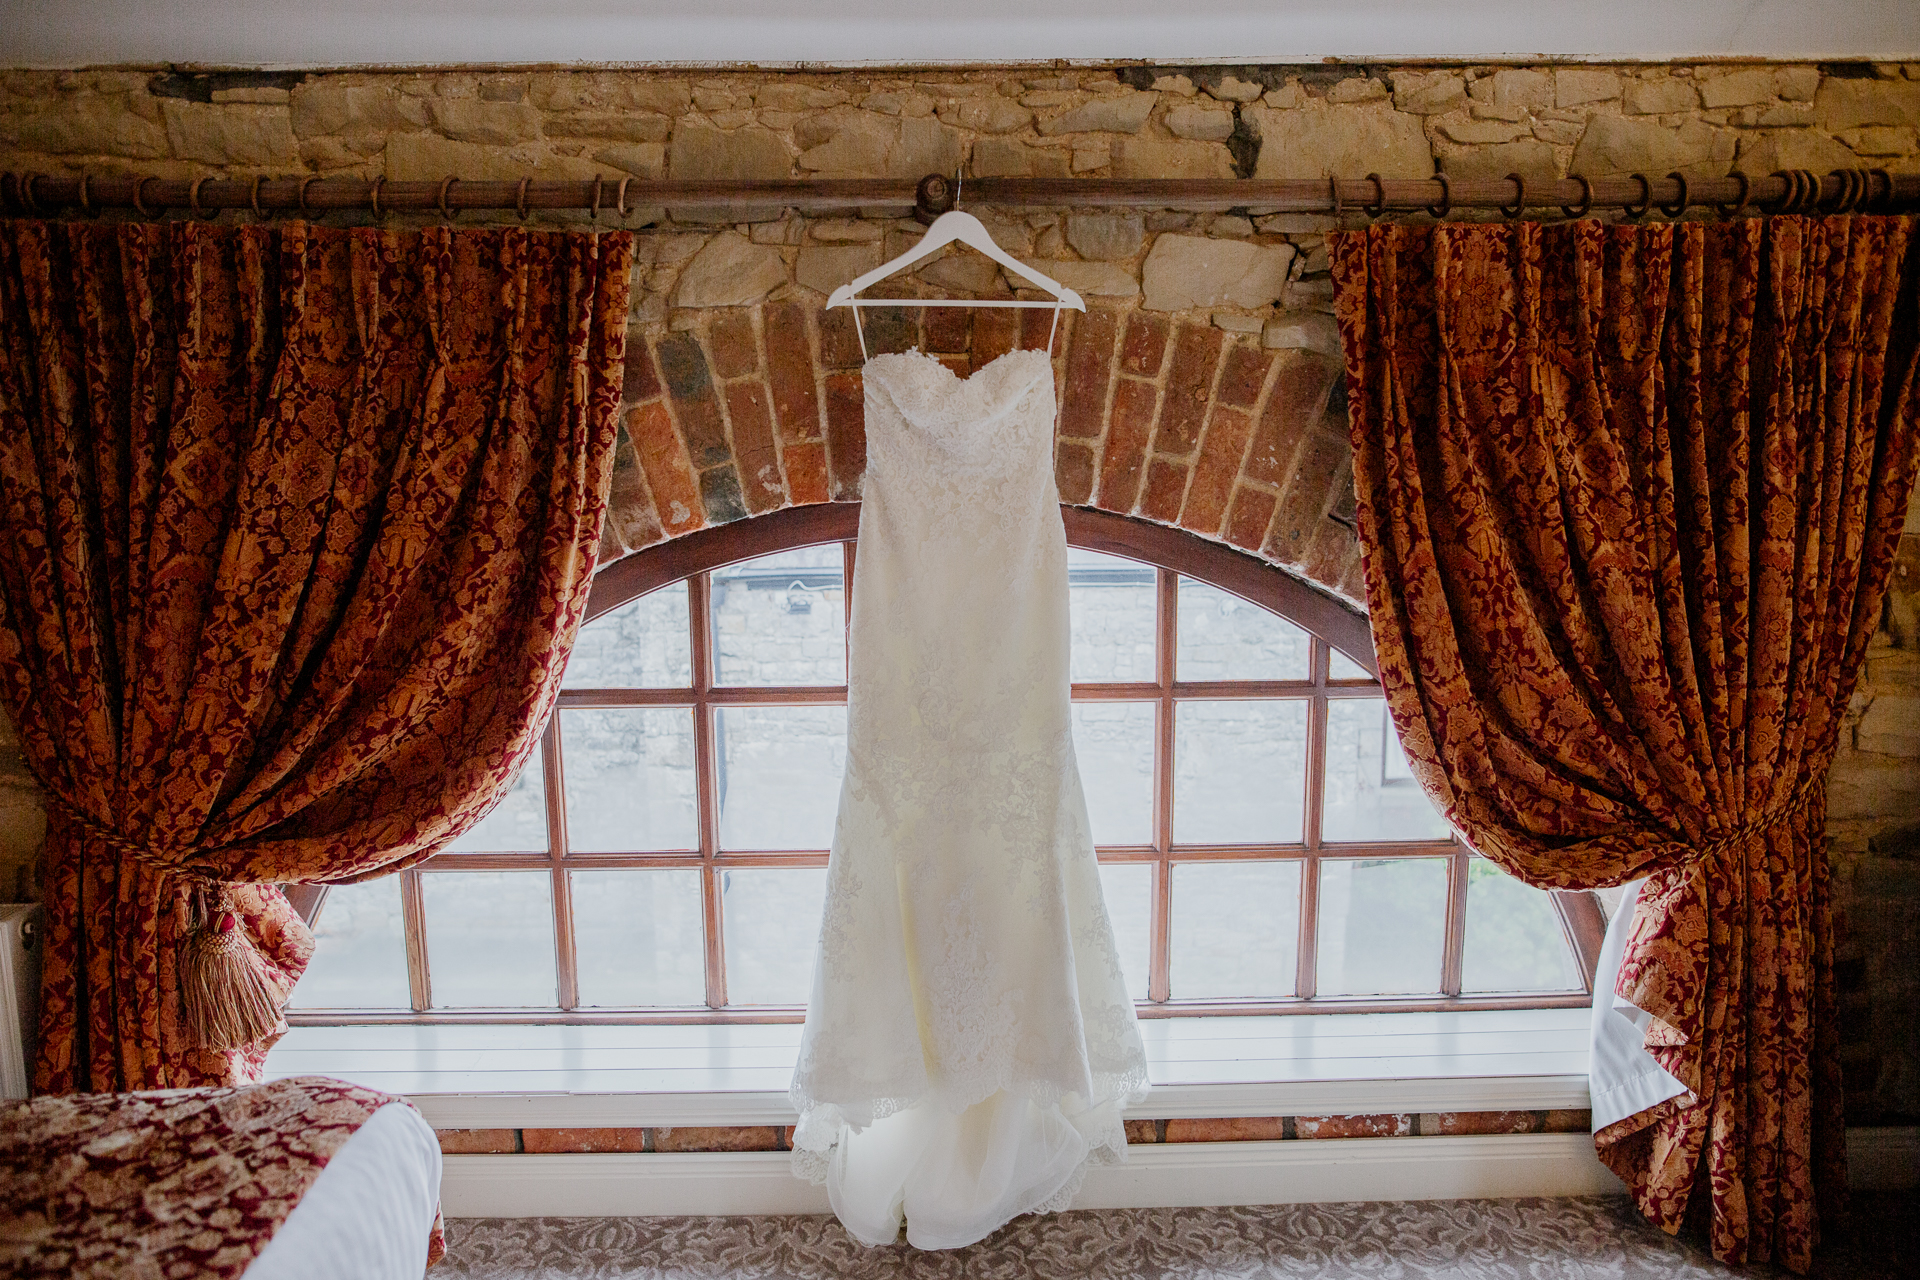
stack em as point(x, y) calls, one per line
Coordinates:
point(1262, 844)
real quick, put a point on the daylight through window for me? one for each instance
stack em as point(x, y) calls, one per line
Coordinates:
point(1263, 845)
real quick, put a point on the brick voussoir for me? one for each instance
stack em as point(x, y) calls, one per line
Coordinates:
point(1140, 1131)
point(750, 410)
point(669, 471)
point(790, 373)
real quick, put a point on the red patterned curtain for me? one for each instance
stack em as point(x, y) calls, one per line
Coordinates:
point(1629, 497)
point(296, 527)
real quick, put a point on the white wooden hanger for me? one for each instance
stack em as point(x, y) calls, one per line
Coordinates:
point(947, 228)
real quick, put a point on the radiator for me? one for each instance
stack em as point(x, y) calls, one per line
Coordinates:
point(20, 937)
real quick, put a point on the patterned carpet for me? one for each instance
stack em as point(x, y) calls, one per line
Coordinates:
point(1571, 1239)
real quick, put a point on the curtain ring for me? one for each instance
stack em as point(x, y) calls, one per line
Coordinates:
point(193, 199)
point(1678, 207)
point(304, 184)
point(253, 197)
point(446, 184)
point(593, 214)
point(1843, 199)
point(1885, 177)
point(373, 195)
point(1633, 213)
point(139, 190)
point(1815, 190)
point(520, 202)
point(1803, 190)
point(1792, 194)
point(1586, 198)
point(1379, 205)
point(1333, 191)
point(620, 201)
point(28, 199)
point(1445, 206)
point(1853, 187)
point(1519, 205)
point(1746, 191)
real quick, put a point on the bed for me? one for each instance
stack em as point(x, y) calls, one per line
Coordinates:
point(300, 1179)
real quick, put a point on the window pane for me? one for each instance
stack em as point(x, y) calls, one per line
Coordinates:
point(518, 824)
point(359, 950)
point(1514, 940)
point(772, 927)
point(1239, 771)
point(782, 619)
point(1341, 667)
point(1112, 605)
point(1382, 924)
point(779, 775)
point(1235, 930)
point(629, 778)
point(490, 938)
point(1223, 637)
point(1371, 794)
point(1113, 742)
point(1128, 889)
point(641, 645)
point(637, 937)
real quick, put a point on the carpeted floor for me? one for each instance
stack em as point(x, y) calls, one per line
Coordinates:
point(1571, 1239)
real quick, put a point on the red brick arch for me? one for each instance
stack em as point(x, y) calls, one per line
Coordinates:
point(738, 412)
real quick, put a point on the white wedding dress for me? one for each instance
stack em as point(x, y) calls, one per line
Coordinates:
point(970, 1043)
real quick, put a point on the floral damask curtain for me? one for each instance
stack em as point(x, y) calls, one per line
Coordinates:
point(296, 528)
point(1628, 498)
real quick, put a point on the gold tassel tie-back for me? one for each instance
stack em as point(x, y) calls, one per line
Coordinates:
point(227, 997)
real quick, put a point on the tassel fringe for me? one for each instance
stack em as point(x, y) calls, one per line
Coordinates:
point(227, 996)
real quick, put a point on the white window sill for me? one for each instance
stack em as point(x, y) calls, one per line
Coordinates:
point(504, 1076)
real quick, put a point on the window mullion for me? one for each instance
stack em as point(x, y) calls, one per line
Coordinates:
point(1167, 633)
point(706, 788)
point(553, 778)
point(414, 917)
point(1307, 961)
point(1454, 950)
point(565, 961)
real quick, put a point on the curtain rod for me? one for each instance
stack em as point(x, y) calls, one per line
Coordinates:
point(1784, 191)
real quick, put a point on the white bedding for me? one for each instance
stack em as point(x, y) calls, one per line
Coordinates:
point(368, 1214)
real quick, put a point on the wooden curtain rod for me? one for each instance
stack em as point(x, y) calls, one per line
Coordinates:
point(1784, 191)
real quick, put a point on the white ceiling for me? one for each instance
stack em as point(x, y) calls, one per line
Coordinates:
point(324, 33)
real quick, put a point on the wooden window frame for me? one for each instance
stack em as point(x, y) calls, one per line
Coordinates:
point(1172, 553)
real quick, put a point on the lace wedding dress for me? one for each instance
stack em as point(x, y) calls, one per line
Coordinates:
point(970, 1044)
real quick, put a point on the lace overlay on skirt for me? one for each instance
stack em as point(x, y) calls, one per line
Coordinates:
point(970, 1043)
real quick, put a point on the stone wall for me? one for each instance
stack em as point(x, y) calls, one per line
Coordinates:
point(1200, 389)
point(1133, 121)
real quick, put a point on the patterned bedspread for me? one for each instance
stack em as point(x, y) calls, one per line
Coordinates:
point(174, 1183)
